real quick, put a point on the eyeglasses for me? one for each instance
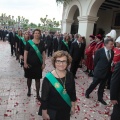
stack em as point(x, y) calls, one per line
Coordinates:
point(64, 62)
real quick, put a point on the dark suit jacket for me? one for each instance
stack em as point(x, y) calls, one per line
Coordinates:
point(56, 45)
point(11, 38)
point(76, 52)
point(102, 66)
point(115, 84)
point(49, 41)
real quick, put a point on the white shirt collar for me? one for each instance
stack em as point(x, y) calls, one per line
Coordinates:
point(78, 42)
point(106, 50)
point(99, 42)
point(92, 41)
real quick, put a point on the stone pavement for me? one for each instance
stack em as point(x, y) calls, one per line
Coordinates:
point(15, 105)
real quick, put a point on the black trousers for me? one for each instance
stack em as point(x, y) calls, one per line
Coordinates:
point(12, 48)
point(50, 50)
point(101, 88)
point(3, 38)
point(109, 79)
point(74, 67)
point(116, 112)
point(0, 37)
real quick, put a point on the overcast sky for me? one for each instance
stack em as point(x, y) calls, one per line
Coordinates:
point(32, 9)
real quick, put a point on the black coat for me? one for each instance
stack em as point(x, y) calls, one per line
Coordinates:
point(0, 33)
point(11, 38)
point(115, 84)
point(102, 66)
point(76, 52)
point(3, 33)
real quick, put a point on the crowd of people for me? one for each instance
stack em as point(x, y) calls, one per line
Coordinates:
point(101, 58)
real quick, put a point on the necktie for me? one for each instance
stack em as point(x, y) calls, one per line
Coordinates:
point(79, 45)
point(108, 55)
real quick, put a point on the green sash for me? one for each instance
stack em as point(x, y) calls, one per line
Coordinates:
point(36, 50)
point(58, 87)
point(66, 44)
point(18, 36)
point(23, 40)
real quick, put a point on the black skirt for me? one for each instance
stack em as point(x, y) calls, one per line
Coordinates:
point(33, 72)
point(56, 115)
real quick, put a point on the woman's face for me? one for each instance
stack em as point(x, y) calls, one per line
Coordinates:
point(36, 35)
point(20, 32)
point(67, 38)
point(26, 35)
point(61, 63)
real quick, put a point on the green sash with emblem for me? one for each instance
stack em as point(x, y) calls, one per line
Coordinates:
point(59, 88)
point(23, 40)
point(36, 50)
point(66, 44)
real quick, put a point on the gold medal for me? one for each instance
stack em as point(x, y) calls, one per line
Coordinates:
point(57, 85)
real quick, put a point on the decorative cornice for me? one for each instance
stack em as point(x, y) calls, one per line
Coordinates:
point(87, 19)
point(68, 21)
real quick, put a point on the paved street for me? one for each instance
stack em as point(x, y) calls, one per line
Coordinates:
point(15, 105)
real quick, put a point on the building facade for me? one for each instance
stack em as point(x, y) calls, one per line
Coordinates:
point(88, 17)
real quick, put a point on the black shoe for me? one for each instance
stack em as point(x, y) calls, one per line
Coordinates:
point(90, 75)
point(75, 77)
point(38, 98)
point(86, 71)
point(29, 93)
point(80, 66)
point(108, 87)
point(103, 102)
point(87, 95)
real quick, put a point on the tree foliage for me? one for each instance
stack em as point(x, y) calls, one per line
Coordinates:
point(47, 23)
point(21, 22)
point(64, 2)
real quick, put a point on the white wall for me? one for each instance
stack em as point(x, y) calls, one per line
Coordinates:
point(105, 21)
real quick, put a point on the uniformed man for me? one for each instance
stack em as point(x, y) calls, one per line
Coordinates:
point(116, 58)
point(99, 44)
point(89, 55)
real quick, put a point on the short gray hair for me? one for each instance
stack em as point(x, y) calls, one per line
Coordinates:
point(106, 41)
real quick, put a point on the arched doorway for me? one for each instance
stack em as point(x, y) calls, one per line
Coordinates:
point(70, 14)
point(75, 24)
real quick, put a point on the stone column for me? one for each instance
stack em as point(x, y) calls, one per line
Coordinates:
point(66, 26)
point(86, 25)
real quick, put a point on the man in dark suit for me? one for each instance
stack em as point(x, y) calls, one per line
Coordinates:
point(57, 43)
point(102, 67)
point(1, 33)
point(76, 52)
point(115, 92)
point(49, 42)
point(12, 41)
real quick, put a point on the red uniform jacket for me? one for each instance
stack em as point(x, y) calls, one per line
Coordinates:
point(116, 58)
point(89, 54)
point(98, 46)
